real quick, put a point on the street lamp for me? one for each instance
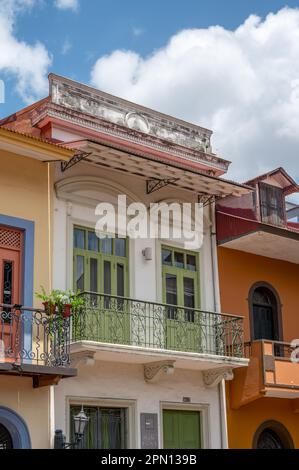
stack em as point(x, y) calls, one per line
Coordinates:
point(80, 422)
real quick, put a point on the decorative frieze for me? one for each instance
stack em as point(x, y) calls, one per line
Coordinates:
point(98, 104)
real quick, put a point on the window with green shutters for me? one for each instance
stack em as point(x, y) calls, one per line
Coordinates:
point(100, 264)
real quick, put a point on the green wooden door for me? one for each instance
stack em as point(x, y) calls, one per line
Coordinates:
point(101, 267)
point(181, 429)
point(181, 288)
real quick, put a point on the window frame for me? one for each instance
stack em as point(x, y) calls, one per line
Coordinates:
point(101, 258)
point(180, 274)
point(280, 215)
point(277, 312)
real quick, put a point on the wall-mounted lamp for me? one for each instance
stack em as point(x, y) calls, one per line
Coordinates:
point(147, 254)
point(80, 422)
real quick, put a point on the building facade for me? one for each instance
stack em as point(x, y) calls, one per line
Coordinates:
point(151, 345)
point(258, 253)
point(29, 364)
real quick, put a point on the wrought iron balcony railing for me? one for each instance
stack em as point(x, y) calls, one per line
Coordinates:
point(119, 320)
point(28, 336)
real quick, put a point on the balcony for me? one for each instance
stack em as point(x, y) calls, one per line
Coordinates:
point(258, 222)
point(271, 373)
point(133, 331)
point(35, 345)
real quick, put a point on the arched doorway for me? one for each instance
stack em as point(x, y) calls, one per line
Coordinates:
point(265, 313)
point(272, 435)
point(14, 432)
point(5, 438)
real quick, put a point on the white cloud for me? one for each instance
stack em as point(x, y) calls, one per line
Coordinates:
point(28, 64)
point(243, 84)
point(137, 31)
point(66, 47)
point(67, 4)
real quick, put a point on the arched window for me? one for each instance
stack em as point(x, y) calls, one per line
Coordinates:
point(265, 313)
point(272, 435)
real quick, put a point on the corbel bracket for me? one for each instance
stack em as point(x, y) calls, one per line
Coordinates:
point(74, 160)
point(154, 184)
point(154, 370)
point(213, 377)
point(85, 358)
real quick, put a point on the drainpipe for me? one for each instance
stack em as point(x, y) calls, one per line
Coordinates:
point(217, 308)
point(51, 387)
point(49, 226)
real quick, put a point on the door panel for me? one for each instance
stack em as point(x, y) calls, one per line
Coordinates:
point(180, 287)
point(181, 429)
point(115, 315)
point(10, 282)
point(263, 322)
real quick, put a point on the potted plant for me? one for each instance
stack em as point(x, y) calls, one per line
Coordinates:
point(47, 300)
point(63, 303)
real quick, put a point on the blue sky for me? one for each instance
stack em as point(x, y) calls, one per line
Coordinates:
point(75, 39)
point(241, 79)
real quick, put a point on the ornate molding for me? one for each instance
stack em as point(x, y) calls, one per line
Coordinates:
point(91, 190)
point(55, 111)
point(96, 103)
point(213, 377)
point(154, 370)
point(84, 358)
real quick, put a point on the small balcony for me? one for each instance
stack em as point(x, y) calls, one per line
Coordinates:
point(135, 331)
point(258, 222)
point(35, 345)
point(271, 373)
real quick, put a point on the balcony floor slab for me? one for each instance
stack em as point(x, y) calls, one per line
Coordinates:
point(107, 352)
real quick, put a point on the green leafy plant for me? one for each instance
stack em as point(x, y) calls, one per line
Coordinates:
point(58, 300)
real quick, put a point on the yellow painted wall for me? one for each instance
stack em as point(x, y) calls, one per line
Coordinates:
point(33, 405)
point(24, 194)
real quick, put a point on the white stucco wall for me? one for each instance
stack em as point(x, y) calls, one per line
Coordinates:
point(111, 384)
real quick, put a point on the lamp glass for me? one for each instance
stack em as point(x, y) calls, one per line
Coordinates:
point(80, 421)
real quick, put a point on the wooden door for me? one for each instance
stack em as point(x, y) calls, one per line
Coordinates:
point(181, 288)
point(10, 291)
point(181, 429)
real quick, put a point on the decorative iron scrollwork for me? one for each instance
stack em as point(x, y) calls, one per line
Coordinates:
point(154, 184)
point(74, 160)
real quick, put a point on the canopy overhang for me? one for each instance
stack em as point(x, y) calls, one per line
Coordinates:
point(157, 168)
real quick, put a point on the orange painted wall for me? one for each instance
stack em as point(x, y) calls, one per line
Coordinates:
point(243, 423)
point(238, 271)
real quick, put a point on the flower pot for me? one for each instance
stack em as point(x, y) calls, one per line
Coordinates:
point(67, 311)
point(50, 309)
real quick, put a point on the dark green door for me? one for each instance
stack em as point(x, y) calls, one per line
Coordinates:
point(181, 429)
point(181, 292)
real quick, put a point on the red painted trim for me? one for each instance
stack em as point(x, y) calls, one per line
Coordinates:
point(164, 156)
